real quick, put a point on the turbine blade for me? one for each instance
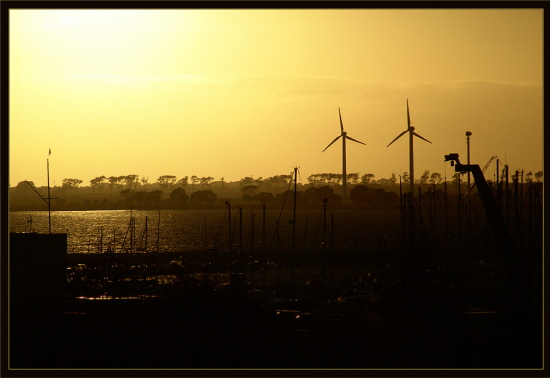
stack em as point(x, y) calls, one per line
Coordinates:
point(408, 115)
point(355, 140)
point(341, 123)
point(338, 137)
point(415, 134)
point(399, 136)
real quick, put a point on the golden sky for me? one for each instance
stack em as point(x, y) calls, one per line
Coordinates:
point(236, 93)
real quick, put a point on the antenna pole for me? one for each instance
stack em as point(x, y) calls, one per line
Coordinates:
point(49, 198)
point(468, 133)
point(294, 224)
point(230, 241)
point(324, 237)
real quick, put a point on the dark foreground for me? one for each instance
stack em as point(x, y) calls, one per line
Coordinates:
point(392, 319)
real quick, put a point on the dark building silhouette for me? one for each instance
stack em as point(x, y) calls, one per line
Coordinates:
point(38, 274)
point(38, 294)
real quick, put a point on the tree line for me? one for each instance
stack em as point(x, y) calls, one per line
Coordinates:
point(168, 192)
point(168, 182)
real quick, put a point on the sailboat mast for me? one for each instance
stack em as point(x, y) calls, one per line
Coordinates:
point(49, 197)
point(294, 224)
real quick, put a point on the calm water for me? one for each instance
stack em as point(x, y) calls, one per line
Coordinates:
point(190, 230)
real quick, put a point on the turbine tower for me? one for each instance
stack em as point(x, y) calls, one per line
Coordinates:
point(345, 136)
point(410, 130)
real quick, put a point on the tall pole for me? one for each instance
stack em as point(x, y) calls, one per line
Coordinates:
point(240, 230)
point(263, 228)
point(459, 199)
point(158, 233)
point(446, 214)
point(516, 207)
point(252, 253)
point(230, 241)
point(331, 248)
point(323, 259)
point(499, 189)
point(49, 197)
point(294, 225)
point(468, 133)
point(507, 194)
point(344, 175)
point(411, 162)
point(146, 219)
point(401, 212)
point(205, 235)
point(530, 214)
point(263, 245)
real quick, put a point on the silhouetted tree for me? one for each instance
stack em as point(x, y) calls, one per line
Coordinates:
point(436, 178)
point(246, 181)
point(166, 181)
point(406, 177)
point(265, 197)
point(128, 196)
point(387, 197)
point(336, 178)
point(142, 200)
point(392, 179)
point(333, 178)
point(538, 176)
point(22, 186)
point(313, 179)
point(278, 182)
point(360, 194)
point(144, 180)
point(156, 197)
point(97, 182)
point(366, 178)
point(203, 197)
point(457, 176)
point(300, 199)
point(194, 181)
point(131, 180)
point(365, 195)
point(112, 182)
point(120, 180)
point(71, 183)
point(316, 195)
point(424, 178)
point(148, 200)
point(179, 198)
point(384, 181)
point(249, 192)
point(184, 181)
point(204, 181)
point(352, 178)
point(93, 184)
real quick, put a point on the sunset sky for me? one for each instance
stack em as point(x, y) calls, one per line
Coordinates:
point(236, 93)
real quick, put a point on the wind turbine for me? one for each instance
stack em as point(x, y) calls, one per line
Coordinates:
point(345, 136)
point(410, 130)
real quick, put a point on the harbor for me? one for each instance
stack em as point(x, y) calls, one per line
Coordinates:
point(254, 299)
